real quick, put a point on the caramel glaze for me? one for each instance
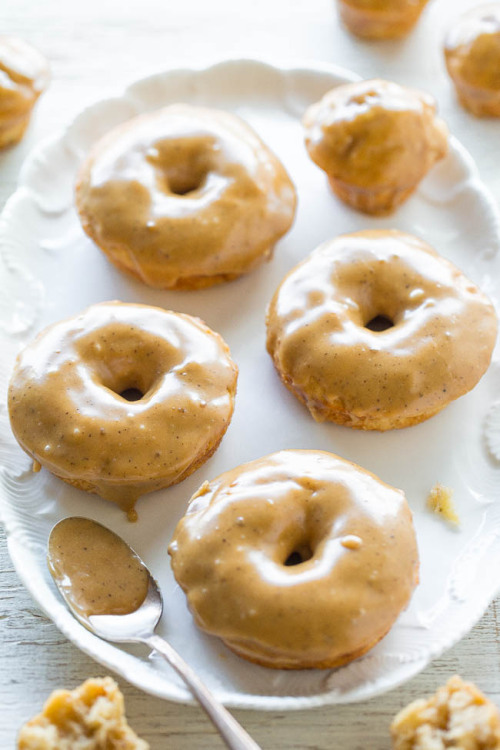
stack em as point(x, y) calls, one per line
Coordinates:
point(377, 136)
point(67, 413)
point(95, 570)
point(438, 343)
point(185, 197)
point(24, 74)
point(472, 52)
point(353, 533)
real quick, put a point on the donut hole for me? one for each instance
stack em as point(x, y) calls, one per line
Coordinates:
point(130, 386)
point(299, 555)
point(182, 165)
point(127, 362)
point(379, 323)
point(132, 394)
point(185, 181)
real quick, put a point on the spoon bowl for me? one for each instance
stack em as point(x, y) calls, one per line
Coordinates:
point(131, 628)
point(84, 558)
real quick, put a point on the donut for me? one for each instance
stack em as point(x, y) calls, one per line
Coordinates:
point(376, 141)
point(376, 331)
point(296, 560)
point(185, 197)
point(24, 75)
point(472, 54)
point(380, 19)
point(123, 399)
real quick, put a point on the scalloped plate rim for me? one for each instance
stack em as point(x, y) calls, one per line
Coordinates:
point(251, 701)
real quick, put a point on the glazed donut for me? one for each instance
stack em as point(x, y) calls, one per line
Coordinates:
point(123, 399)
point(376, 331)
point(185, 197)
point(296, 560)
point(24, 75)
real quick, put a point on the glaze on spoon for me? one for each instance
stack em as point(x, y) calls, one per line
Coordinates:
point(95, 570)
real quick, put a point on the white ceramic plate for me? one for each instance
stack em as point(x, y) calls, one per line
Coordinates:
point(50, 269)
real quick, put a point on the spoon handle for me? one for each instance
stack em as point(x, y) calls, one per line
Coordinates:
point(231, 732)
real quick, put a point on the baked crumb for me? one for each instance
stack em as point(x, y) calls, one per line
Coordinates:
point(457, 716)
point(91, 717)
point(440, 502)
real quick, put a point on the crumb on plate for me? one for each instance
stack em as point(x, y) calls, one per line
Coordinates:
point(440, 502)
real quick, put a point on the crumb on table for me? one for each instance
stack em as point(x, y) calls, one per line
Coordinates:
point(457, 716)
point(91, 717)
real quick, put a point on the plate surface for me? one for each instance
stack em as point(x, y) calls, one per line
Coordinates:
point(49, 270)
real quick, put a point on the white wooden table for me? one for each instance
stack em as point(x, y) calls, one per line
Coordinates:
point(95, 47)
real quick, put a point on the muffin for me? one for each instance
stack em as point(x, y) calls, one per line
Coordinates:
point(380, 19)
point(376, 141)
point(472, 54)
point(24, 75)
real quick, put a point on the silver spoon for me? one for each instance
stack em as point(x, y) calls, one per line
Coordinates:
point(81, 550)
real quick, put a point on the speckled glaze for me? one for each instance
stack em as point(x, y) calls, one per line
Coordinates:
point(472, 53)
point(441, 334)
point(351, 534)
point(95, 570)
point(24, 74)
point(185, 197)
point(375, 140)
point(66, 410)
point(380, 19)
